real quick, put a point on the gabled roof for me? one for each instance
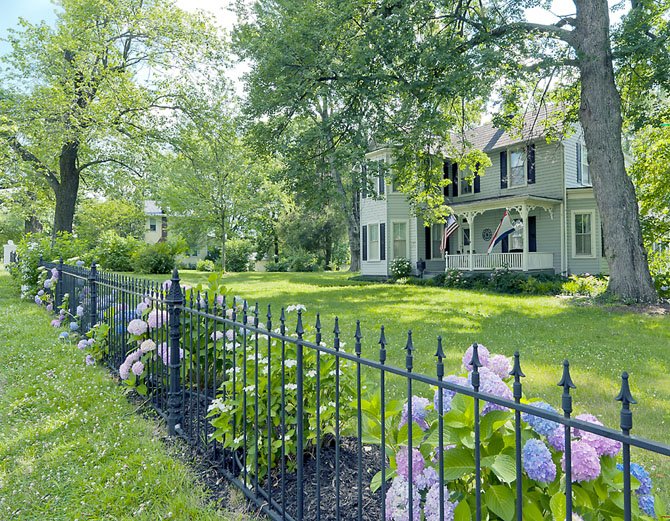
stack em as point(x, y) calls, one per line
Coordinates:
point(151, 208)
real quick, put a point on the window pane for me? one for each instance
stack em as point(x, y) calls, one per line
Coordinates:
point(583, 234)
point(399, 231)
point(436, 235)
point(399, 240)
point(517, 167)
point(399, 249)
point(374, 232)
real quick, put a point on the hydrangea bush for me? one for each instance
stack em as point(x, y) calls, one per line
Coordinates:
point(597, 479)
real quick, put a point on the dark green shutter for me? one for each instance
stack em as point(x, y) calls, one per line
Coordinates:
point(476, 182)
point(428, 239)
point(532, 233)
point(503, 169)
point(382, 241)
point(531, 163)
point(364, 240)
point(454, 179)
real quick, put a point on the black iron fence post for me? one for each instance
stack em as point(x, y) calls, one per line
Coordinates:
point(626, 399)
point(174, 301)
point(566, 399)
point(93, 295)
point(58, 298)
point(300, 429)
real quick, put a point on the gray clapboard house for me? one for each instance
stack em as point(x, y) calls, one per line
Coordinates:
point(545, 188)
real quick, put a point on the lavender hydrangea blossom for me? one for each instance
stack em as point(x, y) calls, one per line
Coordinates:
point(397, 501)
point(403, 464)
point(137, 368)
point(427, 478)
point(164, 353)
point(541, 425)
point(557, 439)
point(603, 446)
point(537, 461)
point(500, 365)
point(490, 383)
point(585, 462)
point(137, 327)
point(90, 360)
point(448, 395)
point(482, 352)
point(419, 412)
point(431, 508)
point(156, 318)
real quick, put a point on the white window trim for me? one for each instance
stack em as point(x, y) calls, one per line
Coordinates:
point(573, 215)
point(462, 179)
point(432, 253)
point(370, 258)
point(509, 167)
point(393, 223)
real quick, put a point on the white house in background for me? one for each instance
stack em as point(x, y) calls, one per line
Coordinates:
point(545, 187)
point(156, 230)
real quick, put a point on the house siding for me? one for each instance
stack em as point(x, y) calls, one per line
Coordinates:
point(584, 201)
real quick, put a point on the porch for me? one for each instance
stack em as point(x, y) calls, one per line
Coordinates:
point(512, 261)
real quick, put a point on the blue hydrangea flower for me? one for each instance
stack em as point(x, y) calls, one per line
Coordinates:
point(64, 335)
point(448, 395)
point(641, 475)
point(646, 504)
point(540, 425)
point(419, 412)
point(537, 461)
point(431, 509)
point(74, 326)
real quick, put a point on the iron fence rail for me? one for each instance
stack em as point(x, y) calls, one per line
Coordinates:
point(232, 368)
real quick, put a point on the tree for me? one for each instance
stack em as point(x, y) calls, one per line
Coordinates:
point(425, 59)
point(84, 99)
point(95, 216)
point(318, 128)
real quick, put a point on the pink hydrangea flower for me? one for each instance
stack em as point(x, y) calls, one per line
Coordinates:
point(137, 327)
point(603, 446)
point(124, 371)
point(491, 383)
point(156, 318)
point(482, 352)
point(585, 462)
point(164, 353)
point(55, 322)
point(137, 368)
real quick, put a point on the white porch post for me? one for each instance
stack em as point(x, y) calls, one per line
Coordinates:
point(471, 225)
point(524, 219)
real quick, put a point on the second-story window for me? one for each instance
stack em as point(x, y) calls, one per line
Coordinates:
point(517, 167)
point(586, 175)
point(466, 185)
point(152, 224)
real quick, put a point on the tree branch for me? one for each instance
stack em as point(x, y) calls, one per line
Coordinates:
point(110, 160)
point(27, 156)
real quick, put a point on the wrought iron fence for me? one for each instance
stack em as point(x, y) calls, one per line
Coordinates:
point(288, 420)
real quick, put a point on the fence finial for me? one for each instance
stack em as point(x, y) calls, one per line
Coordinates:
point(382, 345)
point(409, 347)
point(440, 352)
point(566, 381)
point(358, 336)
point(474, 361)
point(626, 399)
point(317, 326)
point(299, 330)
point(256, 315)
point(516, 371)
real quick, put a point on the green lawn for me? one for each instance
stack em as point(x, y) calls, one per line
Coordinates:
point(71, 445)
point(600, 342)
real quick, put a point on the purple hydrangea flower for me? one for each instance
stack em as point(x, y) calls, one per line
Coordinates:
point(490, 383)
point(47, 283)
point(141, 308)
point(38, 300)
point(137, 368)
point(90, 360)
point(482, 352)
point(427, 478)
point(402, 464)
point(137, 327)
point(54, 273)
point(124, 371)
point(646, 504)
point(431, 509)
point(537, 461)
point(219, 300)
point(448, 395)
point(50, 308)
point(40, 292)
point(397, 501)
point(541, 425)
point(641, 475)
point(585, 462)
point(164, 353)
point(80, 311)
point(79, 263)
point(500, 365)
point(419, 412)
point(83, 344)
point(557, 439)
point(55, 322)
point(604, 446)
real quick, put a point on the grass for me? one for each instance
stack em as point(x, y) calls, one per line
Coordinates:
point(71, 445)
point(599, 341)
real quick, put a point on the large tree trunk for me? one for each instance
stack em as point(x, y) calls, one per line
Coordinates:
point(67, 189)
point(600, 116)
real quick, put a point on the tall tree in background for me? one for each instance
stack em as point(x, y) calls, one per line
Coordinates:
point(318, 127)
point(81, 100)
point(421, 55)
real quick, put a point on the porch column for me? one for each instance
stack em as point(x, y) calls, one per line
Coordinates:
point(471, 225)
point(524, 219)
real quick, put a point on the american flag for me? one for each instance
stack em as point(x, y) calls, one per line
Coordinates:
point(449, 228)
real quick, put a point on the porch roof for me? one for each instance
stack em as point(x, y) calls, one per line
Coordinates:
point(505, 202)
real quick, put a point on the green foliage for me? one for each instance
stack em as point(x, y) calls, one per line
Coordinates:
point(205, 265)
point(95, 217)
point(585, 285)
point(228, 414)
point(301, 260)
point(157, 258)
point(238, 253)
point(114, 252)
point(659, 266)
point(400, 268)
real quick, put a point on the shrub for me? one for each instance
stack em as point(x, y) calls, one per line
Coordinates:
point(585, 285)
point(238, 252)
point(301, 260)
point(114, 252)
point(277, 266)
point(659, 266)
point(156, 258)
point(205, 265)
point(400, 268)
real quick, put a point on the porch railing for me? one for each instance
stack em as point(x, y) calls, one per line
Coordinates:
point(513, 261)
